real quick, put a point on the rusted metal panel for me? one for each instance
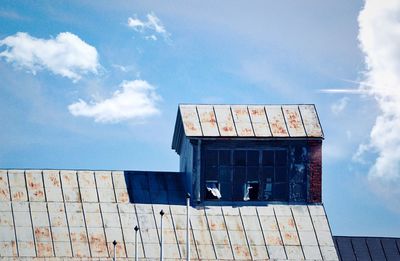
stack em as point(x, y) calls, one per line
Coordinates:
point(152, 250)
point(130, 250)
point(230, 211)
point(44, 249)
point(93, 220)
point(71, 194)
point(6, 218)
point(26, 249)
point(42, 234)
point(225, 122)
point(35, 185)
point(190, 120)
point(294, 252)
point(149, 235)
point(251, 222)
point(241, 252)
point(52, 184)
point(265, 211)
point(8, 248)
point(120, 249)
point(312, 252)
point(111, 219)
point(24, 234)
point(78, 234)
point(286, 223)
point(329, 253)
point(122, 195)
point(97, 242)
point(119, 179)
point(324, 238)
point(242, 121)
point(86, 179)
point(4, 189)
point(316, 210)
point(224, 252)
point(19, 194)
point(273, 238)
point(307, 238)
point(233, 223)
point(80, 249)
point(276, 252)
point(62, 249)
point(202, 237)
point(276, 121)
point(237, 237)
point(216, 223)
point(69, 179)
point(193, 252)
point(255, 237)
point(17, 185)
point(208, 120)
point(106, 195)
point(268, 223)
point(303, 223)
point(320, 223)
point(60, 234)
point(259, 252)
point(40, 219)
point(310, 120)
point(220, 237)
point(259, 121)
point(181, 236)
point(89, 195)
point(290, 238)
point(293, 121)
point(206, 252)
point(198, 222)
point(103, 179)
point(91, 207)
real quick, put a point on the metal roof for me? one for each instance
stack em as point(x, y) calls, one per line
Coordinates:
point(66, 214)
point(367, 248)
point(244, 121)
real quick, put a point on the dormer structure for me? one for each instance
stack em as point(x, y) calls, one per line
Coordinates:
point(252, 153)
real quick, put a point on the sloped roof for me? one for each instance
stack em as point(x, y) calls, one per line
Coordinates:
point(247, 121)
point(71, 214)
point(367, 248)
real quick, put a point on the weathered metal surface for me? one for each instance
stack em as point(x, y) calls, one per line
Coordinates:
point(268, 223)
point(311, 121)
point(294, 252)
point(312, 252)
point(273, 238)
point(276, 252)
point(52, 184)
point(24, 234)
point(17, 185)
point(97, 242)
point(62, 249)
point(276, 121)
point(60, 234)
point(6, 219)
point(320, 223)
point(225, 121)
point(286, 223)
point(316, 210)
point(307, 238)
point(26, 249)
point(106, 195)
point(241, 252)
point(251, 222)
point(259, 252)
point(4, 188)
point(329, 253)
point(190, 120)
point(206, 251)
point(259, 121)
point(224, 252)
point(111, 219)
point(208, 120)
point(34, 181)
point(242, 121)
point(293, 121)
point(8, 248)
point(118, 178)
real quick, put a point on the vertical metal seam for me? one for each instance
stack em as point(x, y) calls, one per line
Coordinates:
point(140, 231)
point(284, 119)
point(383, 249)
point(319, 122)
point(12, 213)
point(209, 230)
point(198, 119)
point(65, 213)
point(251, 122)
point(233, 120)
point(302, 121)
point(245, 233)
point(315, 231)
point(102, 219)
point(30, 213)
point(194, 240)
point(297, 232)
point(173, 226)
point(227, 232)
point(262, 231)
point(280, 233)
point(268, 123)
point(48, 212)
point(369, 250)
point(83, 212)
point(216, 120)
point(122, 230)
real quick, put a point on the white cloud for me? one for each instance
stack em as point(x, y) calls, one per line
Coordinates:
point(379, 38)
point(66, 55)
point(344, 91)
point(340, 105)
point(135, 101)
point(153, 24)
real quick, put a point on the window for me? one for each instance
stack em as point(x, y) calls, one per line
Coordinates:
point(250, 191)
point(213, 190)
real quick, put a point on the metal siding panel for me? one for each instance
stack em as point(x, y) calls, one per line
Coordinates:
point(273, 238)
point(259, 252)
point(375, 249)
point(290, 238)
point(89, 195)
point(300, 211)
point(312, 252)
point(276, 121)
point(198, 222)
point(310, 120)
point(265, 211)
point(259, 121)
point(93, 220)
point(152, 250)
point(108, 208)
point(35, 185)
point(97, 242)
point(234, 223)
point(242, 121)
point(220, 237)
point(225, 121)
point(6, 218)
point(106, 195)
point(360, 249)
point(241, 252)
point(255, 237)
point(294, 252)
point(181, 237)
point(316, 210)
point(190, 120)
point(119, 180)
point(208, 120)
point(268, 223)
point(42, 234)
point(324, 238)
point(202, 237)
point(251, 222)
point(120, 249)
point(329, 253)
point(304, 223)
point(4, 188)
point(307, 238)
point(60, 234)
point(71, 194)
point(8, 248)
point(130, 250)
point(103, 179)
point(26, 249)
point(17, 185)
point(62, 249)
point(193, 252)
point(216, 223)
point(390, 248)
point(122, 195)
point(52, 184)
point(69, 179)
point(286, 223)
point(276, 252)
point(171, 251)
point(320, 223)
point(206, 252)
point(224, 252)
point(86, 179)
point(24, 234)
point(237, 237)
point(345, 249)
point(149, 235)
point(40, 219)
point(111, 220)
point(293, 121)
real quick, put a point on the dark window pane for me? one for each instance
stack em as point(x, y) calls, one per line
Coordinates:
point(212, 173)
point(253, 191)
point(297, 192)
point(225, 157)
point(280, 157)
point(268, 158)
point(239, 179)
point(267, 172)
point(226, 191)
point(212, 190)
point(212, 158)
point(281, 174)
point(267, 193)
point(225, 174)
point(280, 192)
point(252, 173)
point(239, 157)
point(239, 174)
point(252, 158)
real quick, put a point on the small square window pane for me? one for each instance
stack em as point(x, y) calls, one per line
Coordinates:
point(226, 191)
point(225, 157)
point(252, 173)
point(225, 174)
point(267, 172)
point(252, 158)
point(268, 158)
point(280, 157)
point(239, 157)
point(281, 174)
point(211, 158)
point(212, 173)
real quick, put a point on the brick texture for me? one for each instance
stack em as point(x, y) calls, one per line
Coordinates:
point(315, 172)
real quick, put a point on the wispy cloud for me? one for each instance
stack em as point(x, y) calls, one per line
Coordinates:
point(150, 28)
point(66, 55)
point(340, 105)
point(343, 91)
point(379, 37)
point(136, 100)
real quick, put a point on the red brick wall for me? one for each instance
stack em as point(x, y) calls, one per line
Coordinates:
point(315, 172)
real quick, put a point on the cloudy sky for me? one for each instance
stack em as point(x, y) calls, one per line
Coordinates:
point(94, 85)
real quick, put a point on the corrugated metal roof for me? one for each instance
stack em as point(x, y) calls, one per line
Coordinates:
point(58, 214)
point(260, 121)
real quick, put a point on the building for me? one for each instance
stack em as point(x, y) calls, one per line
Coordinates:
point(254, 174)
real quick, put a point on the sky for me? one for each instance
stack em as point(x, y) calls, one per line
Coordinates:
point(96, 85)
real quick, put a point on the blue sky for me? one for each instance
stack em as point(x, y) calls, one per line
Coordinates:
point(70, 71)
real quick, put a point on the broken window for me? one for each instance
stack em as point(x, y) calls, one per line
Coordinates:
point(250, 191)
point(213, 190)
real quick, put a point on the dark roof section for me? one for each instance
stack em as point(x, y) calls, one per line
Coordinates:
point(367, 248)
point(246, 121)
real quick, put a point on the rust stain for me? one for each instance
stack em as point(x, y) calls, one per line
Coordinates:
point(190, 126)
point(277, 127)
point(39, 193)
point(42, 233)
point(34, 185)
point(4, 193)
point(246, 131)
point(293, 119)
point(44, 249)
point(55, 181)
point(123, 197)
point(227, 128)
point(241, 251)
point(18, 195)
point(291, 223)
point(257, 112)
